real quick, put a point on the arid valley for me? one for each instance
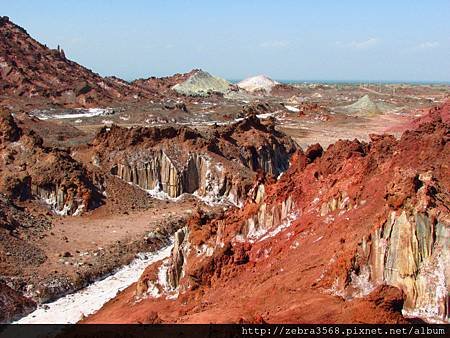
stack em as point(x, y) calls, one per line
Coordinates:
point(193, 199)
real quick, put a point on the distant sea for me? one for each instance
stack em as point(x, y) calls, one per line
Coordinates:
point(355, 82)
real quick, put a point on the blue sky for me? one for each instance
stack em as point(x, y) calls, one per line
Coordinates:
point(303, 40)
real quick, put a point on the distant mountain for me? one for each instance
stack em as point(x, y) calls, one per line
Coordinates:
point(163, 84)
point(29, 69)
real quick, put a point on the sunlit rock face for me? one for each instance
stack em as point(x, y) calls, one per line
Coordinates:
point(409, 251)
point(61, 201)
point(218, 167)
point(200, 175)
point(415, 254)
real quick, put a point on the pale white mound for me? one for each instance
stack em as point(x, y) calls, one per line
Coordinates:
point(256, 83)
point(202, 84)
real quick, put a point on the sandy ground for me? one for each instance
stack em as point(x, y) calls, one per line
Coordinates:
point(83, 249)
point(87, 237)
point(310, 131)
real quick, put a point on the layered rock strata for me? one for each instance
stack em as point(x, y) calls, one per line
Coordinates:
point(216, 166)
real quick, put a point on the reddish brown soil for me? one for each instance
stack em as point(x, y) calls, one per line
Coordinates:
point(50, 255)
point(441, 112)
point(284, 90)
point(284, 279)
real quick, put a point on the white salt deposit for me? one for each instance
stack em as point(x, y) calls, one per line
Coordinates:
point(267, 115)
point(292, 109)
point(71, 308)
point(292, 216)
point(90, 112)
point(259, 82)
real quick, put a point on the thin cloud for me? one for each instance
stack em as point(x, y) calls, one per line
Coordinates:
point(274, 44)
point(428, 44)
point(365, 44)
point(76, 40)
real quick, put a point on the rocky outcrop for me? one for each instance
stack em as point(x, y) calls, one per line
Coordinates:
point(62, 200)
point(9, 131)
point(31, 171)
point(163, 85)
point(382, 305)
point(153, 172)
point(408, 251)
point(356, 232)
point(178, 259)
point(200, 175)
point(274, 217)
point(217, 166)
point(156, 172)
point(415, 261)
point(439, 112)
point(409, 247)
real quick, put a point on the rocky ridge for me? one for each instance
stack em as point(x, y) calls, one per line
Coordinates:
point(162, 85)
point(29, 69)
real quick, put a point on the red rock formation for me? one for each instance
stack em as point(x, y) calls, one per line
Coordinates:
point(437, 112)
point(31, 70)
point(284, 90)
point(353, 234)
point(307, 108)
point(51, 176)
